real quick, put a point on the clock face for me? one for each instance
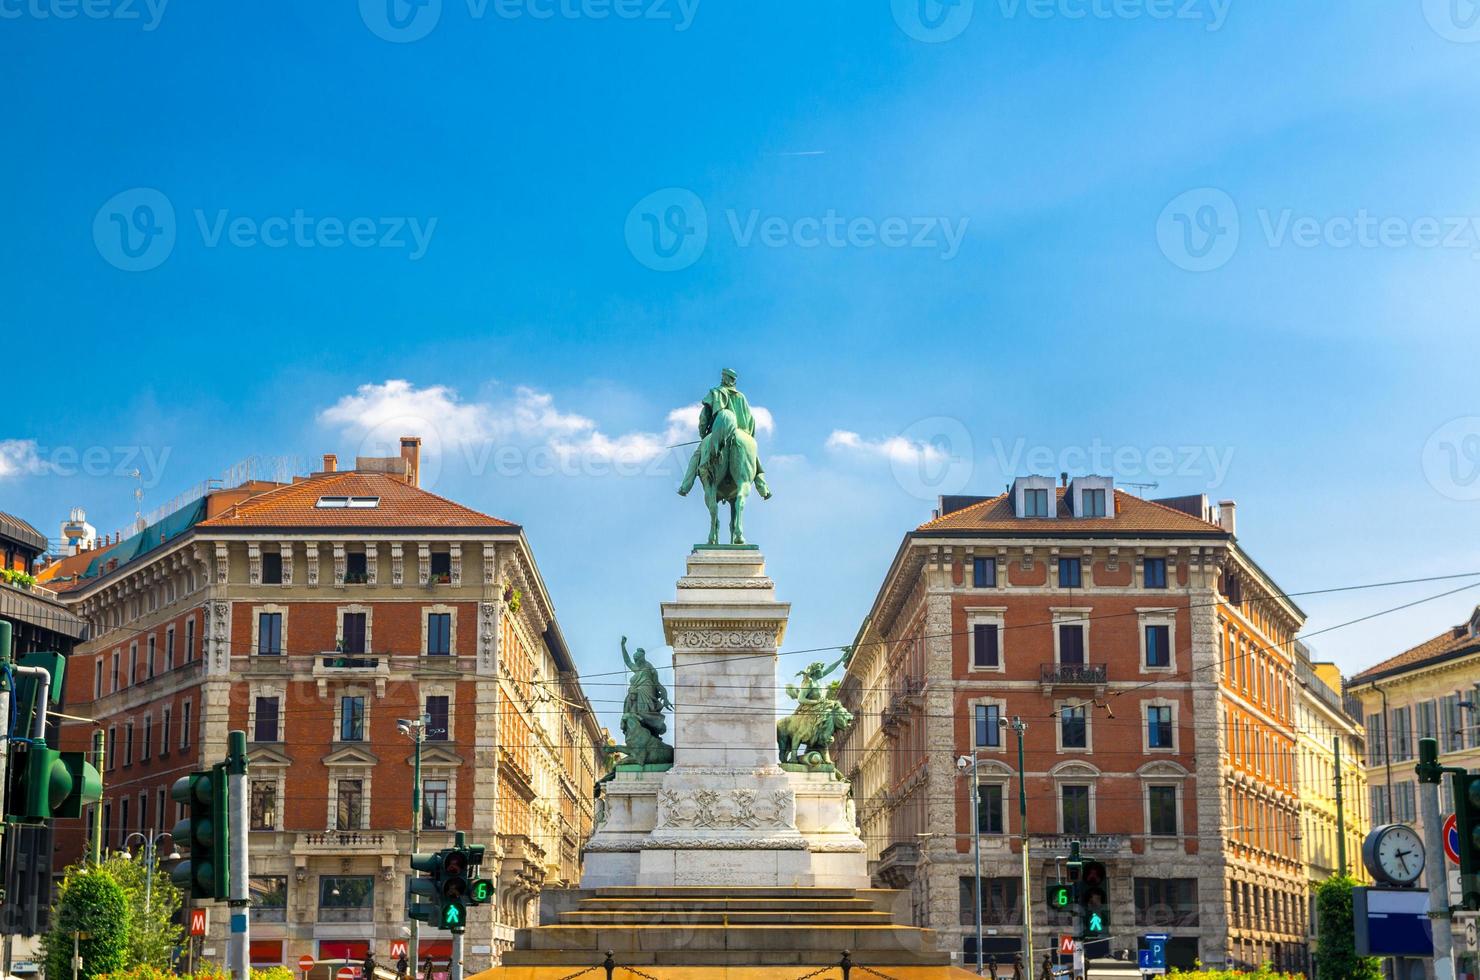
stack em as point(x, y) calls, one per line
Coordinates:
point(1398, 854)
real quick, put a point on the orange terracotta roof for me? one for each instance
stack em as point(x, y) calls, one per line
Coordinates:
point(1131, 514)
point(401, 505)
point(65, 574)
point(1453, 642)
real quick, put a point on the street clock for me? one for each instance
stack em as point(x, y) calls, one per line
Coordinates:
point(1393, 854)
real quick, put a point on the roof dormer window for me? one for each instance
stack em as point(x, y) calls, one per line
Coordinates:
point(1091, 496)
point(352, 503)
point(1034, 497)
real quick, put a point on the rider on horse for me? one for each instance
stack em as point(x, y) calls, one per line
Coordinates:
point(723, 411)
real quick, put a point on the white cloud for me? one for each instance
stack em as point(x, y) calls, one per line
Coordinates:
point(895, 449)
point(379, 414)
point(18, 457)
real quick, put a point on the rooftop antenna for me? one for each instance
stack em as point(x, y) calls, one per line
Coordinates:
point(1143, 487)
point(138, 501)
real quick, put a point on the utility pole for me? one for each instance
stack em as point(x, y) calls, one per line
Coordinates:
point(1340, 816)
point(1019, 726)
point(1429, 775)
point(455, 962)
point(976, 832)
point(99, 753)
point(238, 896)
point(416, 730)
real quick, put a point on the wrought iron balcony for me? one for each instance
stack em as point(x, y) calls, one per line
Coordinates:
point(333, 665)
point(1074, 675)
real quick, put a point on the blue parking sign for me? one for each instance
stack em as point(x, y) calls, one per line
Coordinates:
point(1152, 956)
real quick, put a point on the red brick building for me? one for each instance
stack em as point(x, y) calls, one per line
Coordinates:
point(315, 615)
point(1151, 660)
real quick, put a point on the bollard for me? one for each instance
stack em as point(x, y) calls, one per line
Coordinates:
point(846, 964)
point(609, 965)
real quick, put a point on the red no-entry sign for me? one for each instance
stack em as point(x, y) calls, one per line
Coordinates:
point(346, 973)
point(1451, 839)
point(305, 962)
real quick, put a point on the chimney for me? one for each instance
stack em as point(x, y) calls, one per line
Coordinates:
point(1063, 479)
point(411, 453)
point(331, 462)
point(1228, 516)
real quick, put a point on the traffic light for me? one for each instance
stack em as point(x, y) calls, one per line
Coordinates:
point(45, 783)
point(1467, 821)
point(206, 872)
point(1094, 904)
point(424, 885)
point(454, 883)
point(1060, 897)
point(480, 891)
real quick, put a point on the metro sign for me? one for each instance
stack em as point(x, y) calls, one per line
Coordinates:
point(399, 949)
point(1066, 945)
point(200, 921)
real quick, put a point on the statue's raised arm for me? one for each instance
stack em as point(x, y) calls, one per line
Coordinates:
point(625, 658)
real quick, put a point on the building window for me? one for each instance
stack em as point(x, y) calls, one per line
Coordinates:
point(152, 646)
point(1035, 503)
point(266, 727)
point(128, 744)
point(1074, 809)
point(1070, 643)
point(146, 746)
point(1378, 796)
point(1158, 646)
point(270, 634)
point(1159, 727)
point(984, 573)
point(1155, 573)
point(1428, 720)
point(1452, 734)
point(1172, 902)
point(350, 803)
point(346, 898)
point(355, 568)
point(988, 720)
point(352, 639)
point(190, 640)
point(164, 731)
point(1404, 802)
point(1092, 503)
point(434, 804)
point(437, 717)
point(439, 634)
point(185, 725)
point(1402, 736)
point(441, 566)
point(169, 649)
point(1163, 810)
point(117, 675)
point(133, 664)
point(269, 897)
point(264, 804)
point(1073, 728)
point(272, 568)
point(352, 718)
point(989, 816)
point(97, 678)
point(1001, 901)
point(1069, 573)
point(984, 650)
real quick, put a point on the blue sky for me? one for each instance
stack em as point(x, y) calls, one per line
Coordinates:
point(1241, 233)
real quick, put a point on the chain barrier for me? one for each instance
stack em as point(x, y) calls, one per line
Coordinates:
point(864, 969)
point(636, 972)
point(581, 973)
point(816, 973)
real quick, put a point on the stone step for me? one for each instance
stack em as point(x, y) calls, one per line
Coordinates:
point(727, 891)
point(691, 917)
point(701, 939)
point(782, 905)
point(725, 957)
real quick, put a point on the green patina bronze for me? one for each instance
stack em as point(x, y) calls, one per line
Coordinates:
point(818, 718)
point(726, 462)
point(642, 717)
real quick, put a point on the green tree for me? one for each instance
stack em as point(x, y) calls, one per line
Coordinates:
point(153, 935)
point(1336, 951)
point(90, 901)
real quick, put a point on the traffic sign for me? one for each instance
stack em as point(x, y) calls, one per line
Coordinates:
point(1451, 838)
point(398, 949)
point(1066, 945)
point(346, 973)
point(305, 962)
point(1152, 956)
point(200, 921)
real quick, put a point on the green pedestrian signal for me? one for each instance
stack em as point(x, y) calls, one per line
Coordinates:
point(453, 916)
point(1094, 901)
point(1096, 925)
point(206, 871)
point(1060, 896)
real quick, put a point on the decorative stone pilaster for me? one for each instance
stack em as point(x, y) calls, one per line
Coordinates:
point(285, 548)
point(311, 549)
point(254, 563)
point(423, 564)
point(455, 551)
point(339, 564)
point(398, 565)
point(223, 562)
point(372, 563)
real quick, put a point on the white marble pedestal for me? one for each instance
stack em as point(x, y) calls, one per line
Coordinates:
point(726, 813)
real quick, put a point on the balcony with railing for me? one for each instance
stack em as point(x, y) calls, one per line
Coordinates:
point(1074, 675)
point(335, 665)
point(1092, 845)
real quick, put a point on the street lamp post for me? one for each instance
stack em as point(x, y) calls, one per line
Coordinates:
point(416, 730)
point(967, 765)
point(150, 841)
